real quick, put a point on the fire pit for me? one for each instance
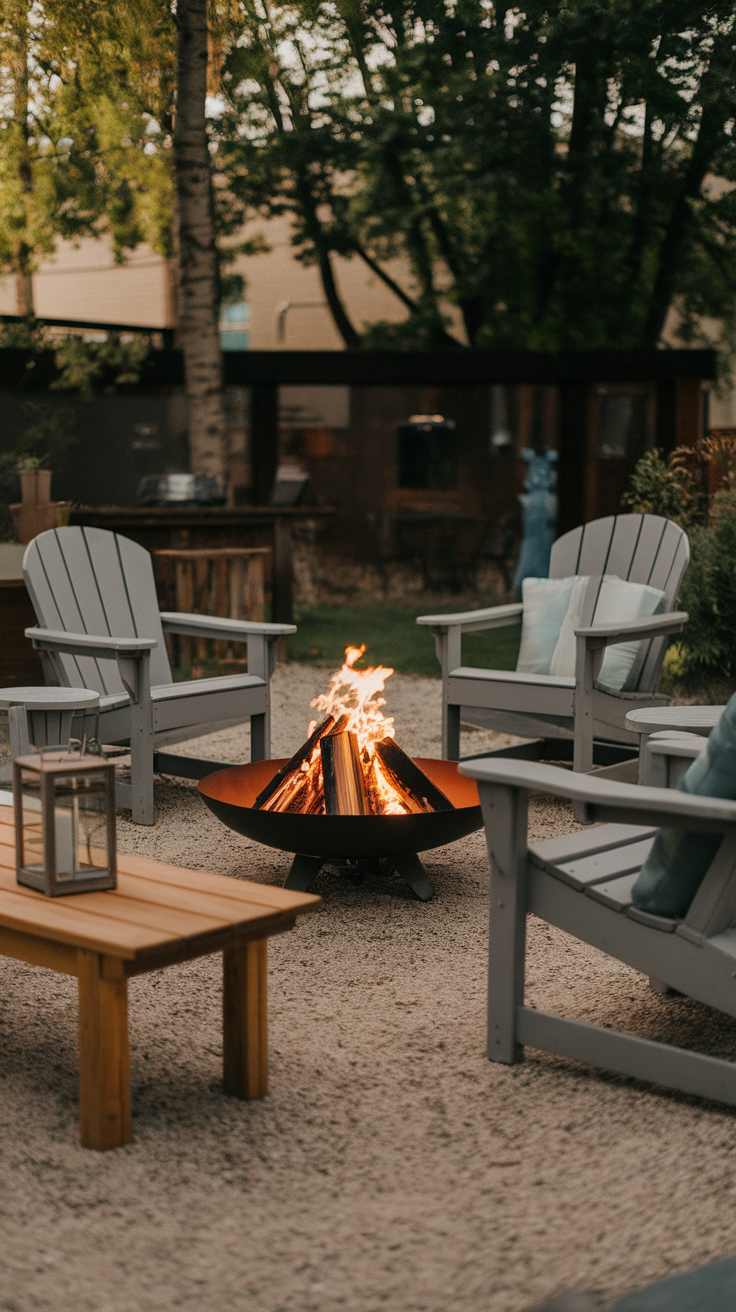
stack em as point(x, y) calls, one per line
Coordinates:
point(349, 797)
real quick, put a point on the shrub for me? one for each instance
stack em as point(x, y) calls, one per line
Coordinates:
point(677, 488)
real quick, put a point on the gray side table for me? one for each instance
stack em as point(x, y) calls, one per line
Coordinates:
point(677, 719)
point(43, 717)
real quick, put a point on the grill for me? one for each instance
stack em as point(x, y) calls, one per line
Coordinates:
point(356, 844)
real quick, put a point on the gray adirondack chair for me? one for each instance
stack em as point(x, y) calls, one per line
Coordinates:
point(582, 884)
point(640, 548)
point(100, 627)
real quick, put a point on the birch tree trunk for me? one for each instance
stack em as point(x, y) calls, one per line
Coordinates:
point(198, 325)
point(18, 14)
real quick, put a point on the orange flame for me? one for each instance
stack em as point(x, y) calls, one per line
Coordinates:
point(356, 693)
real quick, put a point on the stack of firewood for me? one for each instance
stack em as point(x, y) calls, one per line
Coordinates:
point(330, 775)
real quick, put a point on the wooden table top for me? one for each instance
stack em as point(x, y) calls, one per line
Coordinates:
point(158, 914)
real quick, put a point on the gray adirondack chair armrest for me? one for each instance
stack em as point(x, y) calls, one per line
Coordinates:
point(672, 742)
point(606, 800)
point(260, 637)
point(590, 649)
point(133, 655)
point(87, 644)
point(651, 626)
point(474, 621)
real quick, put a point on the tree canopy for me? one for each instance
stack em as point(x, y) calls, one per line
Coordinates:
point(557, 175)
point(562, 173)
point(86, 107)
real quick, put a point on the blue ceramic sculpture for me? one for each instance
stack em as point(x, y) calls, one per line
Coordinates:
point(539, 509)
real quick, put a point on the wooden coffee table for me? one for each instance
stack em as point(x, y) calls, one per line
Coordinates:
point(157, 916)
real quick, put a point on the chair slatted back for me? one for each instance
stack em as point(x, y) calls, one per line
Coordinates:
point(639, 548)
point(89, 580)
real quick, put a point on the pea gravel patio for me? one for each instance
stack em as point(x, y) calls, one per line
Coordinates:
point(391, 1166)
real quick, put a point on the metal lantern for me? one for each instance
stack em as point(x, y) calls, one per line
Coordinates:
point(64, 804)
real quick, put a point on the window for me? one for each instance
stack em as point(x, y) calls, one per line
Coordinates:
point(428, 453)
point(234, 320)
point(623, 424)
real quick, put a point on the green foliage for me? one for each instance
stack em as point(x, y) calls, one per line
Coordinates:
point(89, 366)
point(85, 117)
point(708, 594)
point(675, 488)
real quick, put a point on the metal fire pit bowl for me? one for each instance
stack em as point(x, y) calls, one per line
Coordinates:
point(355, 843)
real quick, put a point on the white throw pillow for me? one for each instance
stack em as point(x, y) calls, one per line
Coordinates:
point(563, 656)
point(618, 602)
point(546, 603)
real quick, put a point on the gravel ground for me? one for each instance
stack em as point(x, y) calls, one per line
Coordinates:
point(391, 1165)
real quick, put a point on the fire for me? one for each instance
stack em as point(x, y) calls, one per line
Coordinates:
point(356, 693)
point(366, 760)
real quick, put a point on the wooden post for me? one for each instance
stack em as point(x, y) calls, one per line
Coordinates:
point(245, 1021)
point(104, 1060)
point(573, 455)
point(665, 434)
point(264, 440)
point(282, 572)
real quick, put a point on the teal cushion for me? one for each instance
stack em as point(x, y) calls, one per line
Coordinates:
point(679, 859)
point(707, 1289)
point(545, 607)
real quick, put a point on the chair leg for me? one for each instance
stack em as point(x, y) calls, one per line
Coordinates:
point(505, 816)
point(141, 764)
point(260, 747)
point(18, 725)
point(450, 732)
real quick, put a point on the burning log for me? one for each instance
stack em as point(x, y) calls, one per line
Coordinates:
point(342, 771)
point(414, 787)
point(283, 788)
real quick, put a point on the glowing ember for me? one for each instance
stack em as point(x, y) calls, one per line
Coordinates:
point(388, 783)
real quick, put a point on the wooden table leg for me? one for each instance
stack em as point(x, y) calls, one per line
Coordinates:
point(245, 1024)
point(104, 1059)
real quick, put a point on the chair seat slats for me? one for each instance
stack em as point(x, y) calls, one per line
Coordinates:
point(513, 676)
point(602, 866)
point(586, 842)
point(614, 893)
point(654, 922)
point(194, 687)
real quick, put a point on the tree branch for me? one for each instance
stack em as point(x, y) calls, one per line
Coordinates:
point(386, 278)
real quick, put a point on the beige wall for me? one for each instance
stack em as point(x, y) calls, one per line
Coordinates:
point(83, 282)
point(276, 277)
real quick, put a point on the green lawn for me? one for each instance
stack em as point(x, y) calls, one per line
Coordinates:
point(392, 638)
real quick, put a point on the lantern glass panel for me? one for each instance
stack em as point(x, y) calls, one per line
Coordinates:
point(66, 829)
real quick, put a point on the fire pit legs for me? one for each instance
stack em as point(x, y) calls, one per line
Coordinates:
point(304, 871)
point(411, 869)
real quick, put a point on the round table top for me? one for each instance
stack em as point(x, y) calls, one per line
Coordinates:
point(691, 719)
point(49, 699)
